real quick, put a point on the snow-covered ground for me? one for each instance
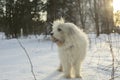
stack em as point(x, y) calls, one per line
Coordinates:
point(14, 64)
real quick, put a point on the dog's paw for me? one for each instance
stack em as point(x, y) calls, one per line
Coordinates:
point(67, 76)
point(60, 70)
point(78, 76)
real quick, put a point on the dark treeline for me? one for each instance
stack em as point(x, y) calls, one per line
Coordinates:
point(26, 16)
point(21, 15)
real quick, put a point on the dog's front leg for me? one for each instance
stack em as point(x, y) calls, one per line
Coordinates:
point(76, 68)
point(67, 70)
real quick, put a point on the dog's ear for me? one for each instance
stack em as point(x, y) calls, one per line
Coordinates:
point(71, 31)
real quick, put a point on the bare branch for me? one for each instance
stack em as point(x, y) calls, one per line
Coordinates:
point(32, 71)
point(113, 59)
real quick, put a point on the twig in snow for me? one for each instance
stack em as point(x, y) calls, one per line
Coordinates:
point(28, 58)
point(113, 59)
point(114, 77)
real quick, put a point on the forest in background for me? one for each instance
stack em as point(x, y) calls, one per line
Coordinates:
point(27, 17)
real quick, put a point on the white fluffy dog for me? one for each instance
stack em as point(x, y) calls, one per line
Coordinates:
point(72, 44)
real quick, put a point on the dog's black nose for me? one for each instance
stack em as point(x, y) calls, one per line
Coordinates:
point(51, 33)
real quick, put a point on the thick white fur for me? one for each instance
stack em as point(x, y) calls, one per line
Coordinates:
point(73, 50)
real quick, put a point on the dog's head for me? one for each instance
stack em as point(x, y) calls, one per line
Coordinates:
point(61, 31)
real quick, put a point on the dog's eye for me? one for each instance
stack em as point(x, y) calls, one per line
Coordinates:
point(59, 29)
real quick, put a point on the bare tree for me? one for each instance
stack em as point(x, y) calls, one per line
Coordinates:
point(82, 11)
point(107, 22)
point(94, 13)
point(101, 12)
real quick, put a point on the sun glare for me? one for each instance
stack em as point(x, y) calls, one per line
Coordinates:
point(116, 5)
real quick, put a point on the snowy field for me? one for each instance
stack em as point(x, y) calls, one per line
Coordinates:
point(14, 64)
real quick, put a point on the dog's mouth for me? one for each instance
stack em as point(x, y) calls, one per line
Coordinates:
point(57, 41)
